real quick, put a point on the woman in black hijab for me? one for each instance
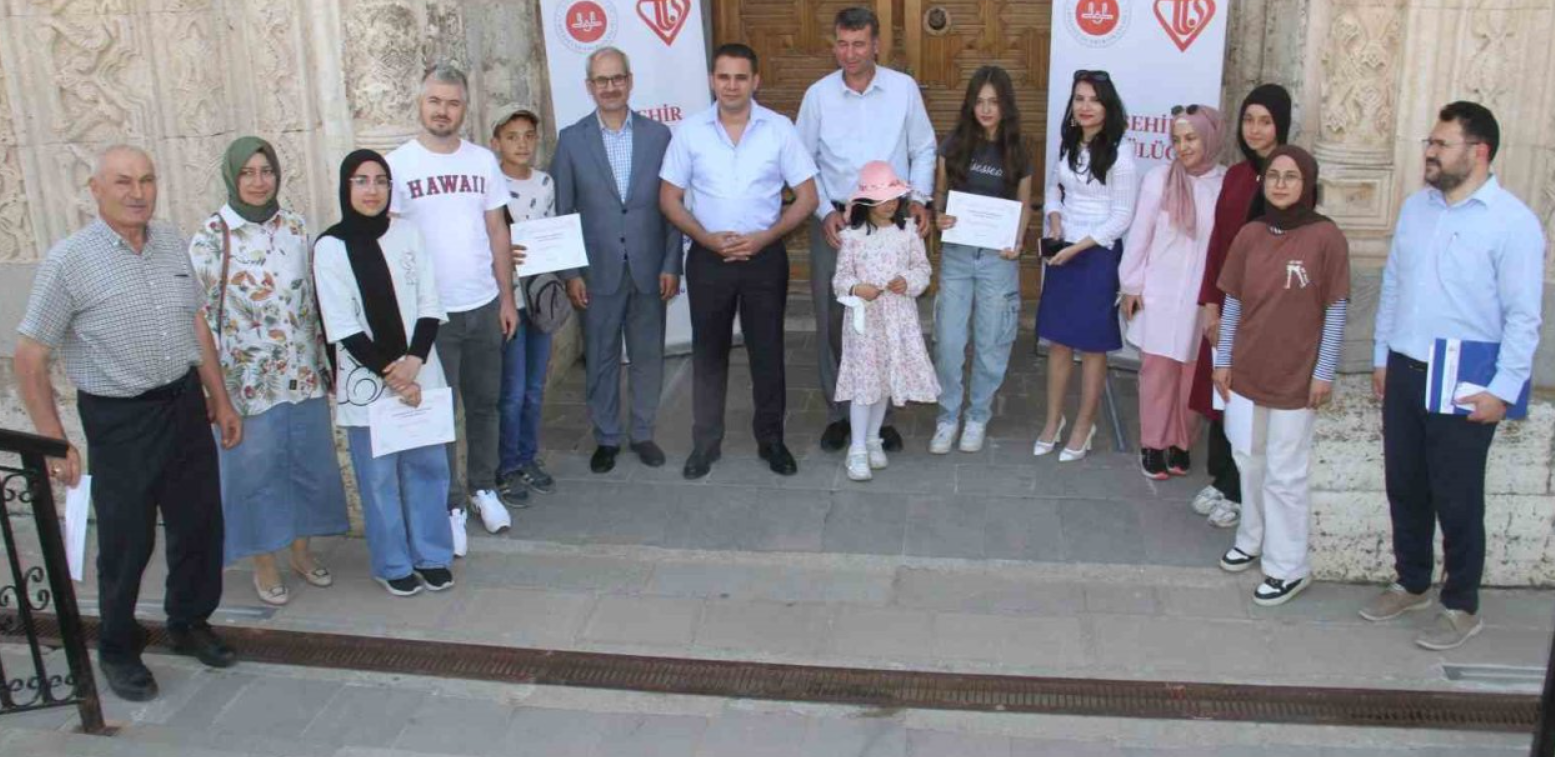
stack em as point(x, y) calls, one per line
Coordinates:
point(1263, 125)
point(376, 285)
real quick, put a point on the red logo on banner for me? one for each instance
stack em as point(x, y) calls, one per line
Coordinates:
point(1184, 20)
point(1097, 17)
point(665, 17)
point(586, 21)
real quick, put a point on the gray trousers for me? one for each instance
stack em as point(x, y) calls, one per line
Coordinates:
point(828, 322)
point(470, 348)
point(640, 316)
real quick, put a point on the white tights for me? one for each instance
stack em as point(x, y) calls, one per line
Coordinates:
point(866, 421)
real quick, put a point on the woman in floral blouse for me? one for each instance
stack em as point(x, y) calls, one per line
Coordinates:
point(282, 485)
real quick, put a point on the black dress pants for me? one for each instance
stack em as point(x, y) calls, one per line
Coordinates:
point(148, 452)
point(1221, 465)
point(1435, 469)
point(756, 289)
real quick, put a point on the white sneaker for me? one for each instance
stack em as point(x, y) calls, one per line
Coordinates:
point(972, 436)
point(858, 466)
point(944, 437)
point(877, 458)
point(1226, 514)
point(456, 519)
point(1205, 501)
point(493, 515)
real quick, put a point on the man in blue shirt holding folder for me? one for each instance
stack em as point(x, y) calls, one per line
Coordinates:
point(1467, 263)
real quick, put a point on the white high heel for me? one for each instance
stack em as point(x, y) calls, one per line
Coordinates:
point(1042, 448)
point(1071, 455)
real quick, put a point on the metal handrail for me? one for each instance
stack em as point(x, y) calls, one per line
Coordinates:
point(31, 599)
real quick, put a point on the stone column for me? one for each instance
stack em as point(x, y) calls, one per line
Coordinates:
point(1361, 65)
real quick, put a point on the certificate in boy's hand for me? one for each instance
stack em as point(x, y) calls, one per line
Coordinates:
point(550, 244)
point(395, 426)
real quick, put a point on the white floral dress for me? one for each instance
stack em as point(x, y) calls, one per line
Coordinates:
point(270, 344)
point(888, 360)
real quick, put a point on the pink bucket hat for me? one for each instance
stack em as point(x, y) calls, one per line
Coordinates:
point(877, 183)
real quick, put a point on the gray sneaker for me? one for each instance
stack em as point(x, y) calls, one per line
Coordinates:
point(1393, 602)
point(1453, 627)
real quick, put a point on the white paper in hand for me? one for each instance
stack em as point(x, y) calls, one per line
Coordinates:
point(396, 426)
point(1215, 400)
point(77, 500)
point(1238, 421)
point(1466, 389)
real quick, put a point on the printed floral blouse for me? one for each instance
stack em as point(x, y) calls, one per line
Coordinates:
point(271, 343)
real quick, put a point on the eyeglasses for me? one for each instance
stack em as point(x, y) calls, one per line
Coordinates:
point(1178, 110)
point(1282, 179)
point(249, 173)
point(364, 182)
point(1082, 74)
point(1442, 144)
point(602, 82)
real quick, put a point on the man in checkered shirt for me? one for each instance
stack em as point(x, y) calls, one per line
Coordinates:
point(118, 301)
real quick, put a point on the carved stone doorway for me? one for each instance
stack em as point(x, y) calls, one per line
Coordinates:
point(939, 43)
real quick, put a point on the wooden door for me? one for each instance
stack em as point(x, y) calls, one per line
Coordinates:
point(939, 43)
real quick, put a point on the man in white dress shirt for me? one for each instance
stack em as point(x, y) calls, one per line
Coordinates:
point(734, 159)
point(858, 113)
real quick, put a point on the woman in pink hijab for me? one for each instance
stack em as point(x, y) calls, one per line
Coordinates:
point(1163, 263)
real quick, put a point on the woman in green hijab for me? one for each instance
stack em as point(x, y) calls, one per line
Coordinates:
point(282, 485)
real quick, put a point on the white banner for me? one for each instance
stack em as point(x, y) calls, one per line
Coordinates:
point(664, 40)
point(1159, 53)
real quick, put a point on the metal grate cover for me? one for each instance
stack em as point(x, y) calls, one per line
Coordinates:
point(1471, 711)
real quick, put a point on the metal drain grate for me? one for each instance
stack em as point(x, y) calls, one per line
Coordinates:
point(881, 688)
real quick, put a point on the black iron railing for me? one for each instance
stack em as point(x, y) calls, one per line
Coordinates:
point(34, 590)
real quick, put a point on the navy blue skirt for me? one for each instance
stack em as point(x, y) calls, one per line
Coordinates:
point(1079, 305)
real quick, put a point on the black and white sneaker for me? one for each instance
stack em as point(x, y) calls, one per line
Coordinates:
point(1236, 561)
point(513, 492)
point(407, 586)
point(535, 477)
point(1152, 463)
point(435, 579)
point(1273, 591)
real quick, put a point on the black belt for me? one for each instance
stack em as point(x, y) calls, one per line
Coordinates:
point(1409, 362)
point(190, 380)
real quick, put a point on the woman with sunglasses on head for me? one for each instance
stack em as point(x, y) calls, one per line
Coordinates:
point(1089, 205)
point(979, 289)
point(378, 294)
point(1263, 124)
point(1163, 263)
point(282, 485)
point(1287, 285)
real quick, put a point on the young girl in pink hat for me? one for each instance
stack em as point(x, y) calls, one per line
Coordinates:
point(881, 270)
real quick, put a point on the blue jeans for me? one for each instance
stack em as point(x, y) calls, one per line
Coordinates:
point(403, 506)
point(524, 359)
point(976, 286)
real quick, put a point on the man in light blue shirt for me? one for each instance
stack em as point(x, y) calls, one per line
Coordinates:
point(858, 113)
point(1467, 263)
point(733, 161)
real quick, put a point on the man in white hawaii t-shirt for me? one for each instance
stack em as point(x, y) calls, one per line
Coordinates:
point(454, 191)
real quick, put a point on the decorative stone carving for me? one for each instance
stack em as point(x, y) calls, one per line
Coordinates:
point(1360, 83)
point(278, 63)
point(1358, 117)
point(445, 38)
point(101, 79)
point(193, 93)
point(1489, 68)
point(16, 242)
point(383, 62)
point(61, 7)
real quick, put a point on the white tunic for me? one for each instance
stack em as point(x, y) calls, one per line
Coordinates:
point(340, 301)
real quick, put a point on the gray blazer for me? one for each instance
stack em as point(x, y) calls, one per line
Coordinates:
point(618, 234)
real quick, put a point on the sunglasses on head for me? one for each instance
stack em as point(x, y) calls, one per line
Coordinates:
point(1178, 110)
point(1083, 75)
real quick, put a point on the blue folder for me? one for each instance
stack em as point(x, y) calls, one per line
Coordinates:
point(1460, 361)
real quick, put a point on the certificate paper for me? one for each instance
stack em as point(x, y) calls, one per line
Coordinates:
point(986, 222)
point(550, 244)
point(1239, 417)
point(76, 500)
point(396, 426)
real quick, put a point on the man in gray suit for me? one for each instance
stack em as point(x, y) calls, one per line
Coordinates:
point(607, 170)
